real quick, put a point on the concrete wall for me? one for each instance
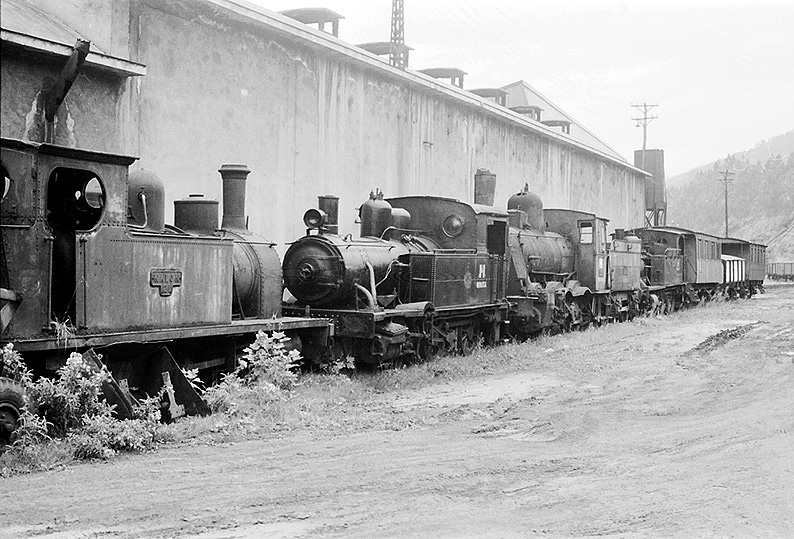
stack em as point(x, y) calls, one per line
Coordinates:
point(87, 118)
point(308, 122)
point(309, 119)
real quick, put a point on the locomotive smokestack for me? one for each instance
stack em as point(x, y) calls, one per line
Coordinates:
point(330, 205)
point(234, 177)
point(484, 187)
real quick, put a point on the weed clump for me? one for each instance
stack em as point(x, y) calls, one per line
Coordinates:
point(265, 374)
point(69, 417)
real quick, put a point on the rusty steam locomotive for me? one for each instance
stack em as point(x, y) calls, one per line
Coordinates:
point(431, 274)
point(88, 262)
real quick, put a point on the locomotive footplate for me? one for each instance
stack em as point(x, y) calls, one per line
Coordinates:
point(153, 335)
point(354, 323)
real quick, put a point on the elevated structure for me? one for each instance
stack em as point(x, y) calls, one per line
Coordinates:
point(655, 186)
point(497, 95)
point(454, 74)
point(384, 48)
point(398, 55)
point(316, 15)
point(564, 125)
point(533, 112)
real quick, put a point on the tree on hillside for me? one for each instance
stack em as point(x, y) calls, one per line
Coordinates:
point(760, 199)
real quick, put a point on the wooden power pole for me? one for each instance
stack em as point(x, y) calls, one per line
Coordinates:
point(645, 108)
point(726, 180)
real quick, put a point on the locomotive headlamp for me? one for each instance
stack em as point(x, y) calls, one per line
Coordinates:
point(315, 219)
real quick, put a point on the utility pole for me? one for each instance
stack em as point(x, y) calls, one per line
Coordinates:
point(397, 53)
point(726, 180)
point(645, 108)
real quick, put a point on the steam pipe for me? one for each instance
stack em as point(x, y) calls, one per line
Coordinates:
point(367, 294)
point(142, 197)
point(372, 285)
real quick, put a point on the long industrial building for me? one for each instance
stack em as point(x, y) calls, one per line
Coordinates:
point(187, 86)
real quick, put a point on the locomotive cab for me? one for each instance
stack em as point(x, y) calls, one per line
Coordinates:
point(58, 200)
point(588, 234)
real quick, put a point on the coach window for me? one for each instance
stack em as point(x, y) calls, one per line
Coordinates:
point(585, 233)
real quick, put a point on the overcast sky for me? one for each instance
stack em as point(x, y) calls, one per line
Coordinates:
point(720, 71)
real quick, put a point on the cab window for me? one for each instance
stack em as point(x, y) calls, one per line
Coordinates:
point(75, 199)
point(586, 233)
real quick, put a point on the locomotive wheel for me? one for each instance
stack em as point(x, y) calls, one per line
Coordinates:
point(468, 339)
point(12, 402)
point(426, 350)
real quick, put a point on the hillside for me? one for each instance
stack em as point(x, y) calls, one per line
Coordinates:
point(760, 199)
point(763, 150)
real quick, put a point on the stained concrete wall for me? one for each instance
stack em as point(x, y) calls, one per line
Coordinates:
point(309, 119)
point(87, 118)
point(309, 122)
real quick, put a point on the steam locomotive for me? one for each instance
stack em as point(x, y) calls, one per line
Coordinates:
point(88, 262)
point(431, 274)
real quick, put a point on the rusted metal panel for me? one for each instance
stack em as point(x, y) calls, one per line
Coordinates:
point(347, 322)
point(625, 264)
point(452, 279)
point(152, 280)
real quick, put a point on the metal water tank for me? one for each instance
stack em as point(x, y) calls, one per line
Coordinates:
point(196, 214)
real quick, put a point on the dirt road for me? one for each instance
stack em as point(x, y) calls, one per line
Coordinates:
point(675, 427)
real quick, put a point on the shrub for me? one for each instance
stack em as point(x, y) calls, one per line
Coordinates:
point(71, 408)
point(262, 375)
point(268, 360)
point(13, 366)
point(67, 402)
